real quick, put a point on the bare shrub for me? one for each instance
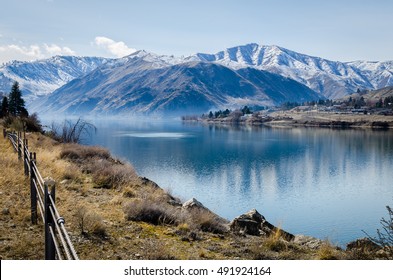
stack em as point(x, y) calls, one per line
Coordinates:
point(156, 250)
point(110, 175)
point(90, 222)
point(150, 212)
point(71, 131)
point(80, 153)
point(106, 172)
point(207, 221)
point(156, 195)
point(385, 235)
point(72, 173)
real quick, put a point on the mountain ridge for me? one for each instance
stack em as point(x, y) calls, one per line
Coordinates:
point(325, 78)
point(41, 77)
point(333, 79)
point(190, 87)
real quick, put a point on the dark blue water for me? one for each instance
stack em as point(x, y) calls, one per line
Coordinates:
point(331, 184)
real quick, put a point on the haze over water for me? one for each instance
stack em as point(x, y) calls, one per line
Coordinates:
point(320, 182)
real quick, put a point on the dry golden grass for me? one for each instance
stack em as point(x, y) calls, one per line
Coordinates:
point(129, 192)
point(329, 252)
point(275, 242)
point(18, 238)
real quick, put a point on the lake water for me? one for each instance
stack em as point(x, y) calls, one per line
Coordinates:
point(331, 184)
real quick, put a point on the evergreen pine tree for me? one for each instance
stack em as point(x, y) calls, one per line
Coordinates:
point(16, 104)
point(4, 107)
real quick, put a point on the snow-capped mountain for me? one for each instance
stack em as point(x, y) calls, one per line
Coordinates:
point(42, 77)
point(149, 83)
point(332, 79)
point(146, 82)
point(380, 74)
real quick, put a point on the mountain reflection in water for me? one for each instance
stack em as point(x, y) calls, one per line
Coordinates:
point(320, 182)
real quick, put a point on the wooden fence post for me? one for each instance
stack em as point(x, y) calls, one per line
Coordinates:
point(19, 145)
point(33, 190)
point(25, 156)
point(50, 250)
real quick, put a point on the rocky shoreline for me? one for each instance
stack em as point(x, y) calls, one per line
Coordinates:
point(254, 224)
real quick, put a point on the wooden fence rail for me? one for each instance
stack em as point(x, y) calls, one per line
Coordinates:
point(58, 244)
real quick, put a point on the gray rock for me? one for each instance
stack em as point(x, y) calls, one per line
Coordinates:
point(193, 204)
point(308, 241)
point(253, 223)
point(248, 223)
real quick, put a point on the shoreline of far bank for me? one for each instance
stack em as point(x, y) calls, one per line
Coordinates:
point(305, 119)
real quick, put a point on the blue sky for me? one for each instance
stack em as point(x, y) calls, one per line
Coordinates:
point(343, 30)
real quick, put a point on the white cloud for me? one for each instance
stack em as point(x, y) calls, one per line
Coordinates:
point(32, 52)
point(118, 49)
point(55, 50)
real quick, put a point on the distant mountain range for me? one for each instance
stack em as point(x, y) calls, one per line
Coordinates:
point(145, 84)
point(42, 77)
point(332, 79)
point(148, 83)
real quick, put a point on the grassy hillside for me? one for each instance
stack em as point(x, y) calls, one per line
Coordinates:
point(112, 213)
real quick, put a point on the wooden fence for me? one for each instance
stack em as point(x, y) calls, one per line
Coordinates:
point(58, 244)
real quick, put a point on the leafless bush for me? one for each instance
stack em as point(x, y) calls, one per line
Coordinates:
point(149, 212)
point(385, 235)
point(111, 175)
point(106, 171)
point(207, 221)
point(71, 131)
point(78, 153)
point(156, 250)
point(90, 222)
point(71, 173)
